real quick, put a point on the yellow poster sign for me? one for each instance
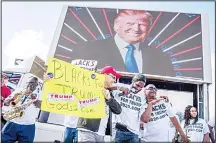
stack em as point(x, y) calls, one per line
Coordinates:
point(73, 91)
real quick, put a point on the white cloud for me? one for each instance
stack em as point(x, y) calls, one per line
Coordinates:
point(26, 44)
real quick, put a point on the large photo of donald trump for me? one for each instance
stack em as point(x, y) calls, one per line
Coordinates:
point(134, 41)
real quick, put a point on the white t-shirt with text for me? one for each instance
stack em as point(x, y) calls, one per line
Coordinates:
point(133, 106)
point(195, 131)
point(157, 128)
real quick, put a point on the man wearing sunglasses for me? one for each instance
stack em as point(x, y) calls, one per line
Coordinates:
point(5, 92)
point(133, 111)
point(156, 120)
point(22, 129)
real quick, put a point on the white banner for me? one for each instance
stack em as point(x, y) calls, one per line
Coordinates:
point(87, 64)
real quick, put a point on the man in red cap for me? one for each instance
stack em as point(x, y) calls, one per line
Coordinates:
point(5, 92)
point(110, 71)
point(93, 130)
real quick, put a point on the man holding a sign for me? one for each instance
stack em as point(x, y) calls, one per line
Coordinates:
point(93, 130)
point(70, 122)
point(79, 92)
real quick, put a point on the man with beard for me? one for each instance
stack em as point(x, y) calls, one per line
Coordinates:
point(22, 129)
point(157, 119)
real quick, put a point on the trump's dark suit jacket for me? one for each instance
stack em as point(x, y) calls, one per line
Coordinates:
point(106, 52)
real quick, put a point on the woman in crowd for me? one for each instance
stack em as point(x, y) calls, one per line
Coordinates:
point(194, 127)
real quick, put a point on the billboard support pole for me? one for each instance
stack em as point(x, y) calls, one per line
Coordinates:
point(205, 102)
point(198, 97)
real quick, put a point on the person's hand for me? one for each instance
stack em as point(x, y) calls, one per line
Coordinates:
point(33, 96)
point(165, 98)
point(141, 126)
point(184, 138)
point(155, 101)
point(46, 77)
point(125, 91)
point(37, 103)
point(106, 94)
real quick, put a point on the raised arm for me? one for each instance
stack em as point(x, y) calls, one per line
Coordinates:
point(145, 117)
point(147, 114)
point(114, 106)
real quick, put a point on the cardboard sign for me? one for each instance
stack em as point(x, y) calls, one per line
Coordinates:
point(73, 91)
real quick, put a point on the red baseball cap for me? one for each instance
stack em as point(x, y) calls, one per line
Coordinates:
point(110, 70)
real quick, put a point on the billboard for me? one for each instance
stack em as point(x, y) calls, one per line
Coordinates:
point(149, 42)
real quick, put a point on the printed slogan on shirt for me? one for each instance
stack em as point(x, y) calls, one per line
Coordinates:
point(158, 112)
point(131, 101)
point(198, 127)
point(73, 91)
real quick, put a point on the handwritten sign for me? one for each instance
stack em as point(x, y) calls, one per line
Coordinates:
point(73, 91)
point(86, 64)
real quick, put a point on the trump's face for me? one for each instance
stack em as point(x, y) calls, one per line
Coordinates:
point(132, 29)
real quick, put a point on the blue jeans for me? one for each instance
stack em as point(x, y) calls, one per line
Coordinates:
point(126, 136)
point(70, 135)
point(13, 132)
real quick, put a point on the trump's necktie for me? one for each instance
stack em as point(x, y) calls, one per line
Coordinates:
point(130, 62)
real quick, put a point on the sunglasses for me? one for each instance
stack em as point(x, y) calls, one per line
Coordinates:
point(32, 83)
point(138, 85)
point(152, 89)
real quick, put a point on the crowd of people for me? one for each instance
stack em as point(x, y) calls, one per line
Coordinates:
point(134, 113)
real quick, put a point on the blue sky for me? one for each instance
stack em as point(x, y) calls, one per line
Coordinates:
point(29, 26)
